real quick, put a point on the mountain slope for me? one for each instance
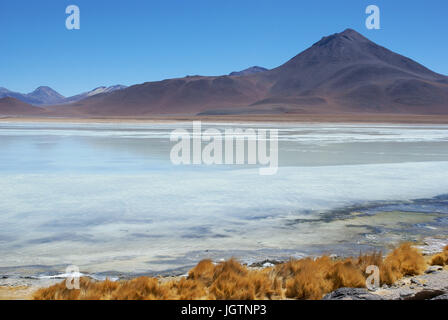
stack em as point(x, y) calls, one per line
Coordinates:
point(12, 107)
point(39, 97)
point(189, 95)
point(46, 96)
point(93, 92)
point(350, 72)
point(16, 95)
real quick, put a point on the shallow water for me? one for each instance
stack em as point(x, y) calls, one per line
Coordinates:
point(105, 197)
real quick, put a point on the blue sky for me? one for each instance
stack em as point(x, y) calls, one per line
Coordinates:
point(133, 41)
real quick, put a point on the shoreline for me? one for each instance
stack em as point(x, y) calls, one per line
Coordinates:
point(289, 119)
point(409, 287)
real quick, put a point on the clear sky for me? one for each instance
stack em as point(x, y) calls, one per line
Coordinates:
point(133, 41)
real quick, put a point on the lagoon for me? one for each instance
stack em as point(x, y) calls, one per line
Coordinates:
point(106, 197)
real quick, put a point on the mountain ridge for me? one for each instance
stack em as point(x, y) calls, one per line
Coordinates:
point(341, 73)
point(46, 96)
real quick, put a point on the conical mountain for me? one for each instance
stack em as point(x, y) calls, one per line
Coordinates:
point(348, 71)
point(46, 96)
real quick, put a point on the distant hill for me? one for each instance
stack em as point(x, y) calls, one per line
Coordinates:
point(93, 92)
point(12, 107)
point(19, 96)
point(248, 71)
point(45, 96)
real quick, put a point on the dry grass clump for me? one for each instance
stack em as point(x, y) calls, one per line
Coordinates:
point(228, 280)
point(403, 261)
point(347, 274)
point(311, 279)
point(187, 289)
point(232, 281)
point(142, 288)
point(60, 292)
point(306, 278)
point(296, 279)
point(203, 272)
point(440, 259)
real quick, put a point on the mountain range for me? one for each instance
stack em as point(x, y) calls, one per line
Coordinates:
point(45, 96)
point(342, 73)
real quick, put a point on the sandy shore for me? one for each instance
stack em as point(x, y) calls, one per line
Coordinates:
point(17, 293)
point(23, 288)
point(284, 118)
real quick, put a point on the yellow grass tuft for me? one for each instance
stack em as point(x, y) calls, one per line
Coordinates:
point(311, 279)
point(346, 274)
point(142, 288)
point(187, 289)
point(232, 281)
point(403, 261)
point(203, 272)
point(306, 278)
point(440, 259)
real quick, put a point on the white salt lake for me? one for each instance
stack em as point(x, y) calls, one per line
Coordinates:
point(107, 198)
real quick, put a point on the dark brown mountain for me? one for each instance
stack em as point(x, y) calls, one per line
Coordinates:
point(13, 107)
point(348, 72)
point(189, 95)
point(341, 73)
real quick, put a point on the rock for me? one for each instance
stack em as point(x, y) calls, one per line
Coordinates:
point(352, 294)
point(406, 293)
point(441, 297)
point(265, 263)
point(433, 269)
point(425, 295)
point(433, 285)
